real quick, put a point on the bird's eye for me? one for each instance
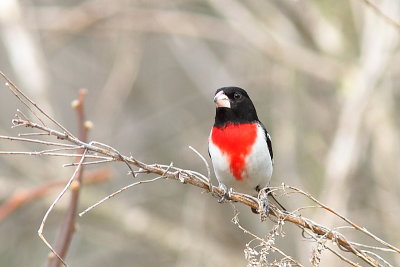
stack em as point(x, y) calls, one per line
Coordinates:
point(237, 96)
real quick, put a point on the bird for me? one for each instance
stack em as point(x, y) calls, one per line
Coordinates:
point(239, 145)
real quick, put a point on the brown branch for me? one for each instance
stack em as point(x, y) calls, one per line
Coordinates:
point(23, 97)
point(189, 177)
point(316, 231)
point(357, 227)
point(68, 228)
point(320, 230)
point(21, 198)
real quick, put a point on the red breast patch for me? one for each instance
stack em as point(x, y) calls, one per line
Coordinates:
point(235, 141)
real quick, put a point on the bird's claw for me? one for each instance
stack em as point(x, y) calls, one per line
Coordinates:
point(264, 206)
point(227, 193)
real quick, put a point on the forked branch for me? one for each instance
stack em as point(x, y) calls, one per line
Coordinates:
point(98, 153)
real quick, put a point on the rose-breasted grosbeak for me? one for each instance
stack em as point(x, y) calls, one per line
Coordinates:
point(239, 145)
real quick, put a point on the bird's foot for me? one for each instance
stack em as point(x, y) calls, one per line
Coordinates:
point(227, 193)
point(263, 204)
point(264, 207)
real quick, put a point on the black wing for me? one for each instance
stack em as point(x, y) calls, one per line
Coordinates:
point(269, 142)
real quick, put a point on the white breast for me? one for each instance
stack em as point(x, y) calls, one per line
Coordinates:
point(258, 166)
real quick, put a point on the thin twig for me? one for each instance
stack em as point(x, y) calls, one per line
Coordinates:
point(10, 85)
point(235, 220)
point(20, 198)
point(13, 87)
point(32, 134)
point(362, 229)
point(372, 247)
point(342, 257)
point(35, 141)
point(69, 223)
point(117, 192)
point(119, 154)
point(89, 162)
point(379, 257)
point(56, 149)
point(168, 168)
point(40, 153)
point(40, 231)
point(205, 163)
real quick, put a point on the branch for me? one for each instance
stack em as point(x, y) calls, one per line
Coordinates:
point(68, 228)
point(24, 99)
point(106, 153)
point(193, 178)
point(66, 187)
point(20, 198)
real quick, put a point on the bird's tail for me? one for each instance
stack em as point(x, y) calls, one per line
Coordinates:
point(269, 193)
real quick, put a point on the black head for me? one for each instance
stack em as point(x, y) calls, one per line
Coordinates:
point(233, 106)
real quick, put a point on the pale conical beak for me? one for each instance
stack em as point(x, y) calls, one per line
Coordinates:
point(221, 100)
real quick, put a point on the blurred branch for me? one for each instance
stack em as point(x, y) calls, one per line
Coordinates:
point(24, 51)
point(381, 14)
point(238, 27)
point(121, 79)
point(58, 20)
point(68, 228)
point(20, 198)
point(263, 38)
point(317, 232)
point(376, 54)
point(311, 25)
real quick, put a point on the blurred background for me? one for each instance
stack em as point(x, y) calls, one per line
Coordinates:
point(323, 75)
